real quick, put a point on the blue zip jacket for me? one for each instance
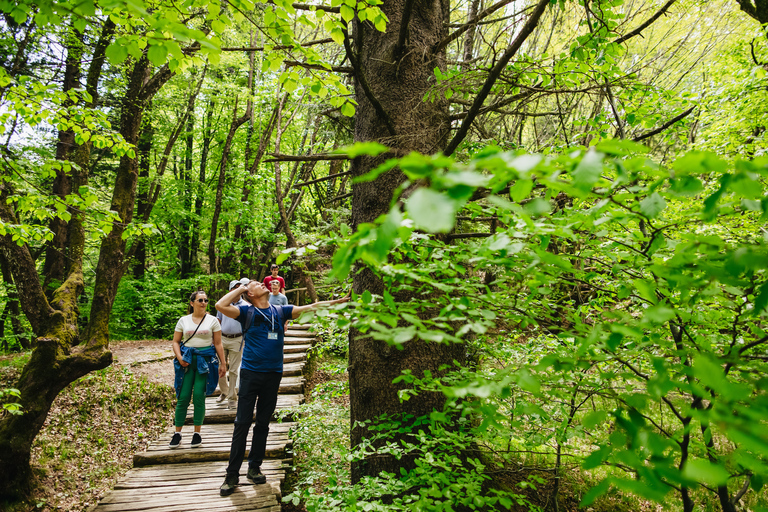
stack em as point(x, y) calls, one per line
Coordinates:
point(206, 356)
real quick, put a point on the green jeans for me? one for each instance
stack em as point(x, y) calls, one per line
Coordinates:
point(192, 387)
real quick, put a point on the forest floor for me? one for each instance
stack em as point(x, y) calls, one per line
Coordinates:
point(97, 423)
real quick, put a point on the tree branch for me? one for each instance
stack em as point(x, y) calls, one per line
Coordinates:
point(280, 47)
point(472, 23)
point(276, 157)
point(308, 7)
point(645, 25)
point(339, 198)
point(664, 126)
point(338, 69)
point(474, 111)
point(406, 19)
point(318, 180)
point(458, 236)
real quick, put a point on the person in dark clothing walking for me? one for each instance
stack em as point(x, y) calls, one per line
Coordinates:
point(260, 374)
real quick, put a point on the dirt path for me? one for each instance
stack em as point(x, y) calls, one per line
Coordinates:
point(150, 358)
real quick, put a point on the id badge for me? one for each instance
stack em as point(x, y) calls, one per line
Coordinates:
point(272, 335)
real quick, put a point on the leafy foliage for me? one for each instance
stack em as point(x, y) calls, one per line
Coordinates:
point(641, 290)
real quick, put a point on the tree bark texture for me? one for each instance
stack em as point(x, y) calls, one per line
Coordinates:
point(399, 83)
point(62, 352)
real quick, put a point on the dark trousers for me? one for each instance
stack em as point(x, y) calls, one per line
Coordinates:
point(257, 390)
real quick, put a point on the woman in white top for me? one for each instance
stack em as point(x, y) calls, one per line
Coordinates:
point(196, 340)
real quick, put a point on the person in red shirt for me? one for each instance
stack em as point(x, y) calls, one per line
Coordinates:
point(274, 268)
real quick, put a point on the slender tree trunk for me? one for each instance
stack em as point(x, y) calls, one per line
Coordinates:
point(469, 37)
point(12, 304)
point(237, 122)
point(206, 147)
point(144, 148)
point(185, 247)
point(55, 266)
point(398, 79)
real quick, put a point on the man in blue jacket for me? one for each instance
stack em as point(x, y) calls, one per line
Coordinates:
point(260, 374)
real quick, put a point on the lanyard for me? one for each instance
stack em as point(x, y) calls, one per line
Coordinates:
point(271, 316)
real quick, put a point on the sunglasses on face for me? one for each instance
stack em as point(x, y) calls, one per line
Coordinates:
point(202, 301)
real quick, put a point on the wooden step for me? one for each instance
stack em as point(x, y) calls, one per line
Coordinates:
point(291, 333)
point(299, 341)
point(195, 487)
point(294, 358)
point(216, 413)
point(217, 440)
point(293, 369)
point(176, 475)
point(289, 385)
point(301, 327)
point(295, 349)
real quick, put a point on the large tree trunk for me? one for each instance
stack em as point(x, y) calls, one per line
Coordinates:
point(62, 353)
point(398, 79)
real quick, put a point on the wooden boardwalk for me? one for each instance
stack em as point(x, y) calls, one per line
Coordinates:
point(187, 479)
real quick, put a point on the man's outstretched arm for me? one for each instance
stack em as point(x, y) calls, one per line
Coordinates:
point(298, 310)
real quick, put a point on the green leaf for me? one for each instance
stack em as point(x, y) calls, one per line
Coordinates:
point(588, 170)
point(703, 471)
point(520, 190)
point(431, 211)
point(761, 298)
point(116, 53)
point(595, 493)
point(348, 109)
point(659, 314)
point(157, 54)
point(593, 419)
point(347, 13)
point(652, 205)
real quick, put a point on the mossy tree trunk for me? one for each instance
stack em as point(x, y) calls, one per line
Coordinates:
point(62, 352)
point(397, 76)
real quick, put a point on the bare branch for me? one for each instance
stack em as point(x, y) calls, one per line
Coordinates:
point(474, 111)
point(304, 158)
point(647, 23)
point(338, 69)
point(318, 180)
point(281, 47)
point(472, 23)
point(664, 126)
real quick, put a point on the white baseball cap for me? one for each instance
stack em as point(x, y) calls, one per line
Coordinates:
point(232, 284)
point(244, 281)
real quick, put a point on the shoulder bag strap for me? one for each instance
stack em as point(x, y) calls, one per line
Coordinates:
point(196, 328)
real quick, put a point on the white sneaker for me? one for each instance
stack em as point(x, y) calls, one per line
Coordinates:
point(232, 405)
point(221, 398)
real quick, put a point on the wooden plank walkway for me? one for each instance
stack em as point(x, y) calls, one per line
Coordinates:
point(187, 479)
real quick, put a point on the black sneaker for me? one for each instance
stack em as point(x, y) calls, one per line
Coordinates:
point(228, 487)
point(196, 440)
point(175, 441)
point(255, 476)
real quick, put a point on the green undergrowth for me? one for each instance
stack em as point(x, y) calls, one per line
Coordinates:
point(509, 465)
point(94, 427)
